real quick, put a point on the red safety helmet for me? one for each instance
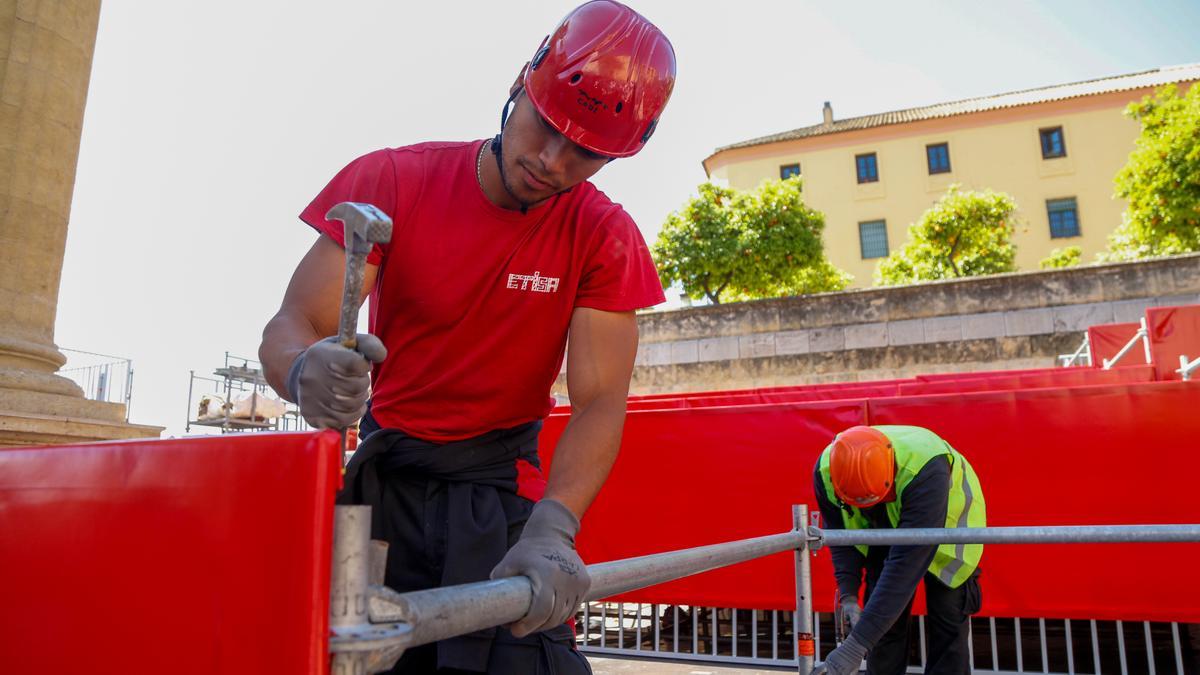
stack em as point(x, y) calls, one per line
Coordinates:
point(603, 77)
point(862, 466)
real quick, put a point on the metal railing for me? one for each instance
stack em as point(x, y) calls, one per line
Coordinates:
point(998, 645)
point(1081, 354)
point(101, 376)
point(1186, 367)
point(372, 624)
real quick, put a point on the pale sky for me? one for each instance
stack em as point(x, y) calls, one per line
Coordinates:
point(211, 124)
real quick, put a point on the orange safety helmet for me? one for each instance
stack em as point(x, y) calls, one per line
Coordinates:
point(862, 466)
point(602, 78)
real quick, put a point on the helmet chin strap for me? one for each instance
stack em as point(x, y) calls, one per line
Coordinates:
point(496, 147)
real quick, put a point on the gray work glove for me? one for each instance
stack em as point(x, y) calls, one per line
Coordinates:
point(330, 383)
point(849, 612)
point(546, 554)
point(844, 660)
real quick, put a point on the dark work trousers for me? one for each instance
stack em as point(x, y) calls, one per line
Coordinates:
point(947, 626)
point(449, 513)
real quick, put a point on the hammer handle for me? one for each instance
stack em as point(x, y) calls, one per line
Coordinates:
point(356, 268)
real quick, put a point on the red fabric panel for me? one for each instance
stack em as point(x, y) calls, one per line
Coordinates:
point(1106, 340)
point(689, 478)
point(177, 556)
point(1053, 377)
point(1051, 456)
point(768, 390)
point(1174, 332)
point(800, 395)
point(830, 391)
point(1087, 455)
point(981, 374)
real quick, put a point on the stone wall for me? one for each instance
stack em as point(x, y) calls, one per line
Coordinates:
point(1021, 320)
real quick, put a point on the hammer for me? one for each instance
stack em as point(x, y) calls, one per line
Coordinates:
point(365, 226)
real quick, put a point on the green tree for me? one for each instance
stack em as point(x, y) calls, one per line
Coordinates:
point(729, 244)
point(964, 234)
point(1162, 179)
point(1061, 257)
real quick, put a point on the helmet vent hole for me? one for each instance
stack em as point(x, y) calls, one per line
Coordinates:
point(620, 104)
point(576, 78)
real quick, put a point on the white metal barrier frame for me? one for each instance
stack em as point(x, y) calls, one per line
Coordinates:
point(1186, 367)
point(998, 645)
point(371, 625)
point(1081, 354)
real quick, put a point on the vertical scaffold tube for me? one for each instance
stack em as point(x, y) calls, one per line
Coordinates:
point(348, 599)
point(805, 646)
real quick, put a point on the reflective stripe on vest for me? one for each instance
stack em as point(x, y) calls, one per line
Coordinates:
point(953, 564)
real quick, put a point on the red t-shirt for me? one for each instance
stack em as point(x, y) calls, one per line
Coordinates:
point(473, 301)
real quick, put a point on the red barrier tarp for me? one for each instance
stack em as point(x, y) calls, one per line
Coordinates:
point(1045, 456)
point(1052, 377)
point(771, 390)
point(1106, 340)
point(689, 478)
point(1174, 332)
point(981, 374)
point(1081, 456)
point(176, 556)
point(798, 395)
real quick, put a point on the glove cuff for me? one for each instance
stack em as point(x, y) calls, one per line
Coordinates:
point(854, 646)
point(293, 377)
point(551, 517)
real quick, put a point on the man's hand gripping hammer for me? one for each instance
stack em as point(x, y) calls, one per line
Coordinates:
point(365, 226)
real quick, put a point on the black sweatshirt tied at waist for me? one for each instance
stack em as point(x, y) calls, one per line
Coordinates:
point(474, 496)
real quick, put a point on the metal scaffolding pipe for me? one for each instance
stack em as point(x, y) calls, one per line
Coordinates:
point(622, 576)
point(1070, 534)
point(441, 613)
point(806, 651)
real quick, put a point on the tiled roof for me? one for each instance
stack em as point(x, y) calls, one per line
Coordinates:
point(1149, 78)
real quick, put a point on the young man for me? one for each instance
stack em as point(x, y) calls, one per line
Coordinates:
point(889, 477)
point(502, 255)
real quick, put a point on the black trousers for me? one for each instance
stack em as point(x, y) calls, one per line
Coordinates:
point(451, 512)
point(947, 627)
point(416, 536)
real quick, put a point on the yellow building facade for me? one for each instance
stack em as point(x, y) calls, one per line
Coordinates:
point(1055, 150)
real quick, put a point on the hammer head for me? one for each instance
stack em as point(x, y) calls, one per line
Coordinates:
point(365, 226)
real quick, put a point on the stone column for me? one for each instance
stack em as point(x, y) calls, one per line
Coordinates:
point(45, 64)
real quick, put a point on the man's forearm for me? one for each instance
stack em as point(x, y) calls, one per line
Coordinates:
point(586, 452)
point(284, 338)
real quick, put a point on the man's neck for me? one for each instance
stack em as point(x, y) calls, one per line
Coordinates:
point(492, 182)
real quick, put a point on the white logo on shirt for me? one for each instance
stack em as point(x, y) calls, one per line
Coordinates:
point(533, 282)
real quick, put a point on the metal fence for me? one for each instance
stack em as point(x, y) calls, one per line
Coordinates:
point(371, 625)
point(1082, 355)
point(750, 637)
point(101, 376)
